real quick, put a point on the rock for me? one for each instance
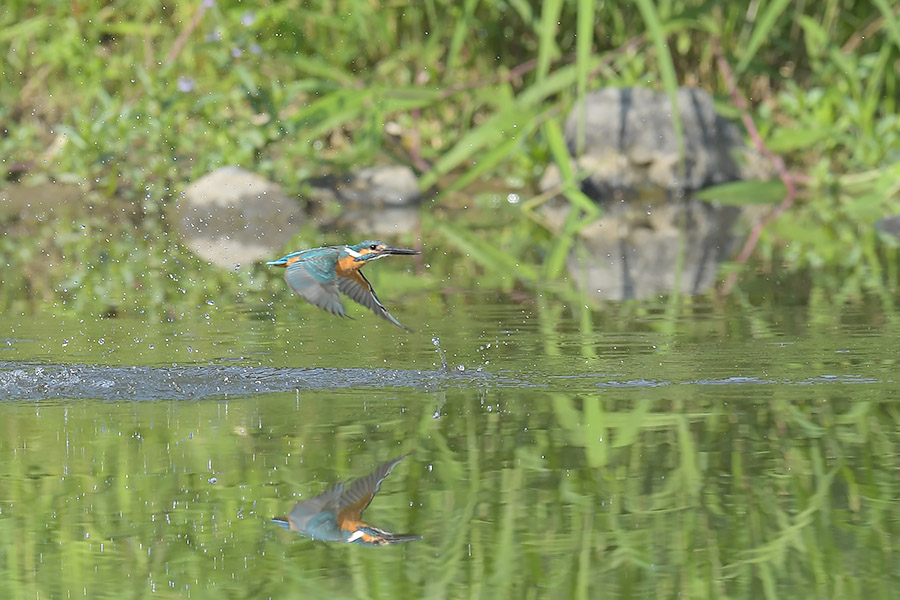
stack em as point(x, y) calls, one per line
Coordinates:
point(633, 250)
point(391, 185)
point(889, 225)
point(389, 221)
point(232, 217)
point(651, 227)
point(374, 201)
point(629, 142)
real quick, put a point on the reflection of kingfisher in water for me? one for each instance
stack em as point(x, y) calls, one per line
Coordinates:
point(318, 274)
point(335, 515)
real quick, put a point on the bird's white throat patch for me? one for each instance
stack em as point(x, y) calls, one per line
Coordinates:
point(356, 535)
point(352, 252)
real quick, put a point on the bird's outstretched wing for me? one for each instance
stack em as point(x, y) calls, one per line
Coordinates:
point(356, 497)
point(356, 287)
point(316, 517)
point(313, 277)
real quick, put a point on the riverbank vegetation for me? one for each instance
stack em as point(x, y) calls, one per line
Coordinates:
point(129, 101)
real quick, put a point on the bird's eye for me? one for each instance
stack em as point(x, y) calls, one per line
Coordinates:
point(373, 247)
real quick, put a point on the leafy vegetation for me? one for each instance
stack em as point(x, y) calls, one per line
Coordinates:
point(132, 100)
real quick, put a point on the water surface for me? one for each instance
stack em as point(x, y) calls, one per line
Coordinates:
point(558, 452)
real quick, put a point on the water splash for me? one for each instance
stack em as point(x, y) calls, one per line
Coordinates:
point(20, 381)
point(437, 344)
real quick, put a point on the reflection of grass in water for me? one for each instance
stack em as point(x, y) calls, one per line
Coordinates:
point(715, 519)
point(645, 493)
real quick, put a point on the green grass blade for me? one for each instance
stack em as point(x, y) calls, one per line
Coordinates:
point(571, 180)
point(486, 254)
point(666, 67)
point(463, 26)
point(583, 47)
point(492, 131)
point(493, 157)
point(582, 211)
point(314, 66)
point(547, 48)
point(762, 32)
point(745, 193)
point(890, 21)
point(559, 81)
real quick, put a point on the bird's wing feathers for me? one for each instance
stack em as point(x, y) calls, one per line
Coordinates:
point(357, 497)
point(355, 286)
point(326, 500)
point(312, 277)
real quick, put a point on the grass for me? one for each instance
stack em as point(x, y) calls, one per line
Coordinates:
point(131, 103)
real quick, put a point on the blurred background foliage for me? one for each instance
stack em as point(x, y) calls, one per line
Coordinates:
point(132, 100)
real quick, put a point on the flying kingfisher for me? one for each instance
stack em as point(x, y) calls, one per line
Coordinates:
point(334, 516)
point(318, 274)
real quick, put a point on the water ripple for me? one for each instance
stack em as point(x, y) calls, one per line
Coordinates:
point(21, 381)
point(30, 382)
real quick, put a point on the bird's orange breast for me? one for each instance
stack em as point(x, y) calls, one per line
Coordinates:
point(347, 266)
point(353, 526)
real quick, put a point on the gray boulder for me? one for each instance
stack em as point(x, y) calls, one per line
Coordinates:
point(652, 238)
point(232, 217)
point(376, 201)
point(889, 225)
point(629, 142)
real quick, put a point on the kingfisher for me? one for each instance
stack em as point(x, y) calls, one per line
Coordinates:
point(318, 274)
point(335, 516)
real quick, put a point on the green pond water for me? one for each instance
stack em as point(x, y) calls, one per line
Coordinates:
point(558, 452)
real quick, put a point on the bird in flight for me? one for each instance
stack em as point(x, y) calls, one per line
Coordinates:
point(320, 275)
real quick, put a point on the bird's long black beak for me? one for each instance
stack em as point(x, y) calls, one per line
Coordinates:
point(398, 250)
point(388, 251)
point(399, 538)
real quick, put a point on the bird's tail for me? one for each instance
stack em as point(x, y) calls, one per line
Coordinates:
point(282, 522)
